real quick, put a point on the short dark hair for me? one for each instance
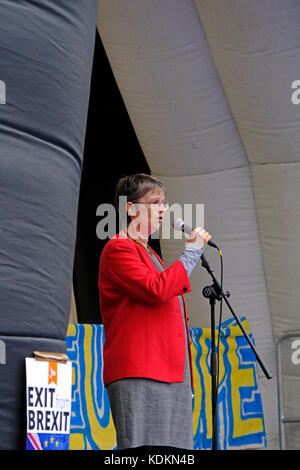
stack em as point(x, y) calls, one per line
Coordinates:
point(134, 187)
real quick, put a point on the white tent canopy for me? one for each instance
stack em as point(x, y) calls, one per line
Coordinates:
point(207, 85)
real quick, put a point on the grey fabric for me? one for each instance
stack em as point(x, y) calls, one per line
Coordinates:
point(190, 259)
point(151, 413)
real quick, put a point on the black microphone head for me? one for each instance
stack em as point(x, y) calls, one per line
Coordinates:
point(211, 243)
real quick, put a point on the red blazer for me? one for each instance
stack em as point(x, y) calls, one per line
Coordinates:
point(143, 326)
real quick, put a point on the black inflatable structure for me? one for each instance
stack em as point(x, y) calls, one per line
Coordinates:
point(46, 60)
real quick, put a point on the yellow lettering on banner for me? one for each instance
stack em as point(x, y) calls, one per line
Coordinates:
point(240, 378)
point(203, 362)
point(76, 441)
point(197, 389)
point(105, 438)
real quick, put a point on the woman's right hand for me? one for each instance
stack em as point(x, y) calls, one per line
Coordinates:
point(199, 237)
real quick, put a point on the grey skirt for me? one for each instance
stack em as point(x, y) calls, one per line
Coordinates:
point(152, 413)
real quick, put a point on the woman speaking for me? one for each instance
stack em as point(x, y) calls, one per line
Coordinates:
point(147, 355)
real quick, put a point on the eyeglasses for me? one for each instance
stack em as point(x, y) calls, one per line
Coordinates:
point(165, 204)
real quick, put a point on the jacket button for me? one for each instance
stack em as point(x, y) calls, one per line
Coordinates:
point(184, 289)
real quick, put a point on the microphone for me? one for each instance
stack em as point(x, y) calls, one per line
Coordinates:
point(183, 227)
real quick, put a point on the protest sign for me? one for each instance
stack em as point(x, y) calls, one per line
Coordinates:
point(48, 399)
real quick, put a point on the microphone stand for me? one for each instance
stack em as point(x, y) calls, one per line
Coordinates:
point(213, 293)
